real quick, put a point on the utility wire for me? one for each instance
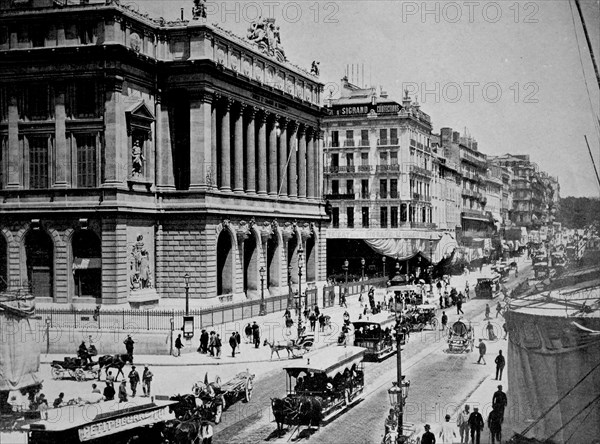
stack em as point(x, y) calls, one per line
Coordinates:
point(589, 43)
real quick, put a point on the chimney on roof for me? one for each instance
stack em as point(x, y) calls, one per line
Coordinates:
point(455, 137)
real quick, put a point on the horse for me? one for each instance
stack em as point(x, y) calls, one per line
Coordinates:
point(277, 346)
point(117, 361)
point(297, 410)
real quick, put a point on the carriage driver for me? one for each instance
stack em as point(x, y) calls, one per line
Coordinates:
point(84, 354)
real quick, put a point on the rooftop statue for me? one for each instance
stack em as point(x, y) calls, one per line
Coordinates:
point(266, 36)
point(199, 9)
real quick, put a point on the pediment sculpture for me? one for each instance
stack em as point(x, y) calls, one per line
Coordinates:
point(266, 36)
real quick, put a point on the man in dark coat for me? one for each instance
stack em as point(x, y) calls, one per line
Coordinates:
point(495, 425)
point(178, 345)
point(459, 303)
point(129, 345)
point(476, 425)
point(428, 437)
point(500, 363)
point(238, 339)
point(499, 401)
point(233, 344)
point(256, 334)
point(203, 342)
point(109, 392)
point(248, 333)
point(134, 379)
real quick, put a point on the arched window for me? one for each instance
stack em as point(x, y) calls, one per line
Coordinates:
point(225, 264)
point(87, 264)
point(251, 279)
point(311, 259)
point(39, 252)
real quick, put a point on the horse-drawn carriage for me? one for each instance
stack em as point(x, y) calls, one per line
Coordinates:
point(487, 287)
point(421, 316)
point(295, 348)
point(327, 383)
point(460, 338)
point(74, 368)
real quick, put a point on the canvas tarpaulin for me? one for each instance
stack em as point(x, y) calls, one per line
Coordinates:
point(547, 357)
point(19, 348)
point(404, 249)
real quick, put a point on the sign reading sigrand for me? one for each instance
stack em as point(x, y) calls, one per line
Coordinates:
point(112, 426)
point(362, 110)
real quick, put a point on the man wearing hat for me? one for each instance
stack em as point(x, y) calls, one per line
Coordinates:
point(447, 432)
point(428, 437)
point(499, 401)
point(134, 380)
point(476, 425)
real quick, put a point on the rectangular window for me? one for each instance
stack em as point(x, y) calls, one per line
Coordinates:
point(38, 36)
point(383, 158)
point(38, 162)
point(335, 217)
point(383, 217)
point(83, 100)
point(335, 187)
point(364, 137)
point(349, 138)
point(86, 161)
point(365, 217)
point(383, 192)
point(393, 158)
point(383, 137)
point(394, 136)
point(350, 214)
point(335, 139)
point(364, 188)
point(349, 159)
point(394, 188)
point(364, 158)
point(37, 102)
point(86, 33)
point(3, 146)
point(350, 187)
point(335, 160)
point(394, 217)
point(403, 213)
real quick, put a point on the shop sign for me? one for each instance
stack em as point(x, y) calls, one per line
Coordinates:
point(110, 427)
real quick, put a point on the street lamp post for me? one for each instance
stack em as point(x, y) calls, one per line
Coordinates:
point(290, 297)
point(362, 268)
point(263, 307)
point(345, 268)
point(187, 294)
point(399, 390)
point(383, 261)
point(300, 251)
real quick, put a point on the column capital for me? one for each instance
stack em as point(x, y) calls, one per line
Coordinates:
point(293, 125)
point(301, 129)
point(252, 111)
point(264, 115)
point(310, 131)
point(283, 121)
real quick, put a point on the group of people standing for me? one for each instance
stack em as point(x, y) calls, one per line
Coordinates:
point(211, 343)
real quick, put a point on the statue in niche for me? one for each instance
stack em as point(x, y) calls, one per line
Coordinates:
point(199, 9)
point(137, 159)
point(139, 266)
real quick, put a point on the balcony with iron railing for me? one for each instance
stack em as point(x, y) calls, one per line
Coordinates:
point(388, 168)
point(365, 168)
point(388, 142)
point(423, 225)
point(421, 197)
point(364, 143)
point(417, 170)
point(338, 196)
point(349, 142)
point(477, 161)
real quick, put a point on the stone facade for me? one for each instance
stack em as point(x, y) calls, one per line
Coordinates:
point(135, 152)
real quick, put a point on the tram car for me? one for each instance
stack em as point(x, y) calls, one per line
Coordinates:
point(376, 334)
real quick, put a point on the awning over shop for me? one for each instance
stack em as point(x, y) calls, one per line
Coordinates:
point(404, 249)
point(87, 263)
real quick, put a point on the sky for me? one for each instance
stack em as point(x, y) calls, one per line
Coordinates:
point(509, 72)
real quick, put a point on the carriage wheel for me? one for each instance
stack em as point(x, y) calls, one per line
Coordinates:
point(434, 323)
point(218, 414)
point(56, 372)
point(248, 389)
point(79, 374)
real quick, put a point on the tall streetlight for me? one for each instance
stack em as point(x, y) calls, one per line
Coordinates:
point(263, 305)
point(399, 390)
point(300, 251)
point(186, 277)
point(362, 268)
point(345, 268)
point(383, 261)
point(290, 297)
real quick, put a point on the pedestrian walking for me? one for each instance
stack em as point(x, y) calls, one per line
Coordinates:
point(109, 392)
point(129, 345)
point(500, 363)
point(313, 321)
point(467, 290)
point(428, 437)
point(134, 379)
point(233, 344)
point(343, 300)
point(218, 345)
point(439, 287)
point(495, 426)
point(123, 392)
point(256, 334)
point(203, 342)
point(505, 331)
point(462, 421)
point(447, 432)
point(441, 301)
point(476, 425)
point(248, 333)
point(178, 345)
point(317, 311)
point(147, 381)
point(238, 339)
point(490, 331)
point(487, 311)
point(211, 343)
point(459, 303)
point(498, 308)
point(500, 401)
point(444, 321)
point(482, 349)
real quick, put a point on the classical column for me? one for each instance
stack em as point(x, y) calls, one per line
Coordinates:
point(262, 154)
point(61, 160)
point(273, 166)
point(292, 173)
point(283, 154)
point(238, 150)
point(310, 162)
point(225, 148)
point(14, 153)
point(200, 139)
point(302, 162)
point(165, 179)
point(115, 167)
point(213, 146)
point(251, 151)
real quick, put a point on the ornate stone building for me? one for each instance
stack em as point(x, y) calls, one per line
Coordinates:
point(135, 151)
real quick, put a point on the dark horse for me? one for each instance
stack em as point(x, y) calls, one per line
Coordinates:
point(185, 428)
point(297, 410)
point(117, 361)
